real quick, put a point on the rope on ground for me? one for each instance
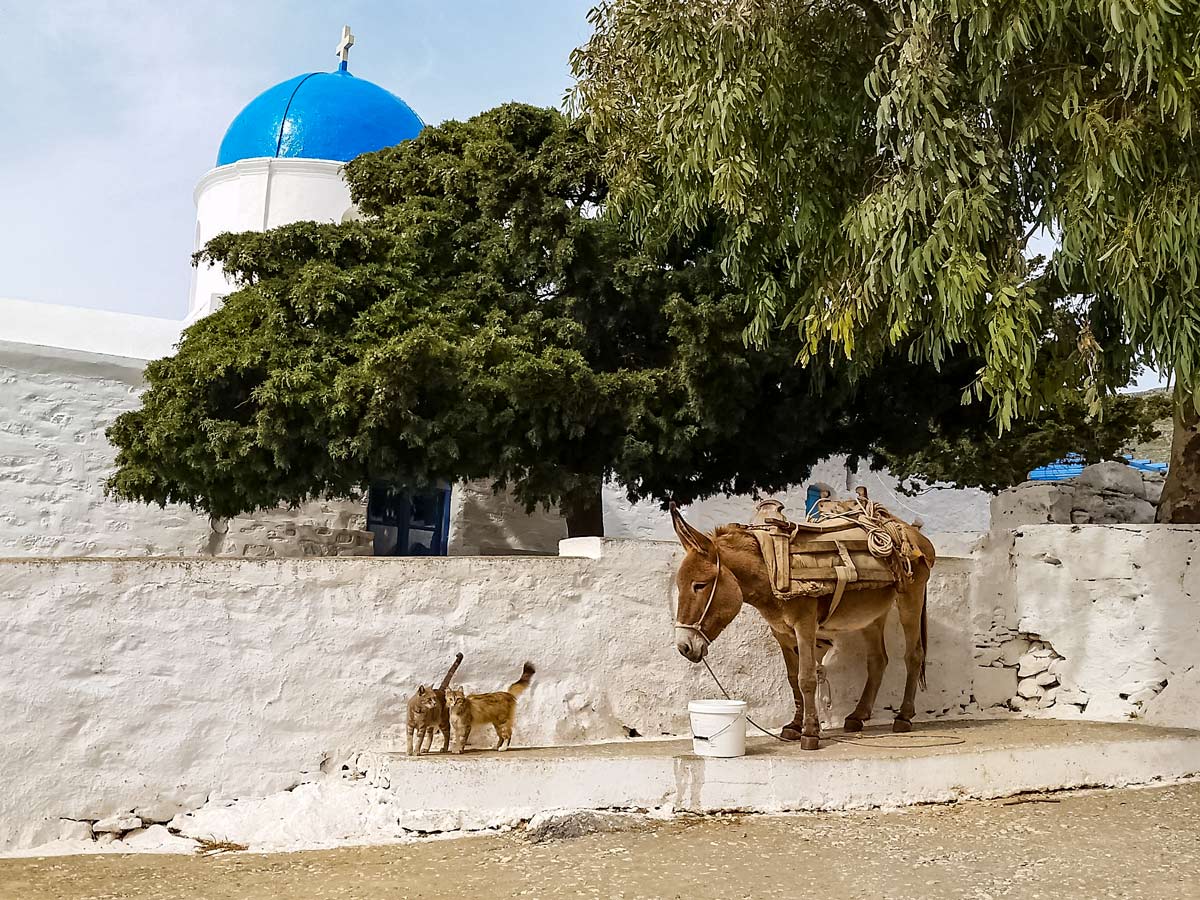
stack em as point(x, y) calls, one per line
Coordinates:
point(866, 740)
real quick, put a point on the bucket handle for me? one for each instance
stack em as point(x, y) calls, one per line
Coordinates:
point(717, 734)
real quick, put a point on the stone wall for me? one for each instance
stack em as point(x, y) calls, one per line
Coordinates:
point(149, 685)
point(1113, 609)
point(1108, 493)
point(319, 528)
point(943, 510)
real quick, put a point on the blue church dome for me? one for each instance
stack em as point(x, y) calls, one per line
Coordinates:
point(321, 115)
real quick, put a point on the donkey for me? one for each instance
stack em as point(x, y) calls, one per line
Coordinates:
point(720, 572)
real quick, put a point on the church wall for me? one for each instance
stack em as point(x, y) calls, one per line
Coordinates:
point(75, 370)
point(54, 458)
point(256, 194)
point(483, 522)
point(943, 511)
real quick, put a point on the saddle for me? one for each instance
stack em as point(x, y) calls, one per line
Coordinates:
point(849, 545)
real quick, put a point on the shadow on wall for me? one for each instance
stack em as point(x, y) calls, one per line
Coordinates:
point(942, 510)
point(486, 523)
point(947, 661)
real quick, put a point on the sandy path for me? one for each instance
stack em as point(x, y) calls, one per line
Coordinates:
point(1133, 843)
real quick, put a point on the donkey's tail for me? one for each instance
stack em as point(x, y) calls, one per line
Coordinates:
point(924, 631)
point(517, 688)
point(450, 674)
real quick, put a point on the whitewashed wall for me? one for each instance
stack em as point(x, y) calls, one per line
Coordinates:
point(943, 510)
point(151, 684)
point(1120, 604)
point(54, 458)
point(254, 195)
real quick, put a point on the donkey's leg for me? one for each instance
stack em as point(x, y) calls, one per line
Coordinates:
point(876, 664)
point(912, 617)
point(791, 660)
point(806, 645)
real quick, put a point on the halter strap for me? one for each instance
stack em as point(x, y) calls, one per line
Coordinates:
point(696, 627)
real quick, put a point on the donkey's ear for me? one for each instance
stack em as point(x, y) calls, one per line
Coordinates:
point(688, 536)
point(421, 689)
point(861, 491)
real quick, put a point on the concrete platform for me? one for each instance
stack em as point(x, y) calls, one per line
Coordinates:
point(940, 762)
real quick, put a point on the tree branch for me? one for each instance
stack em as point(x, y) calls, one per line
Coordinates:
point(876, 17)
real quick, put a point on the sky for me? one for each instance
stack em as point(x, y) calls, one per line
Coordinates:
point(112, 110)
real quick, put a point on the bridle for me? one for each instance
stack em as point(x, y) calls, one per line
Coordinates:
point(696, 627)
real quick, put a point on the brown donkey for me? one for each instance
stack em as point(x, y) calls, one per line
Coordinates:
point(721, 571)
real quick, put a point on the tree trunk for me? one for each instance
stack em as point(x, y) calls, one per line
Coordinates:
point(1180, 503)
point(583, 508)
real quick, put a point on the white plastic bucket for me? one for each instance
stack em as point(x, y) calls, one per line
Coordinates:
point(718, 727)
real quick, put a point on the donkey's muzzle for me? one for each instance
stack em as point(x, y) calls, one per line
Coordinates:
point(690, 645)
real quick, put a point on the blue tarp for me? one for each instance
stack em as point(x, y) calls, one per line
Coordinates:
point(1072, 467)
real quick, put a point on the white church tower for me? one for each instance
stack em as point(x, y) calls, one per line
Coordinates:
point(281, 160)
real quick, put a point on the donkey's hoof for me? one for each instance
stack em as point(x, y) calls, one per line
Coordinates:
point(852, 724)
point(901, 726)
point(808, 742)
point(791, 733)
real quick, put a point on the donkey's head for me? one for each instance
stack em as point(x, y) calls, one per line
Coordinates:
point(708, 593)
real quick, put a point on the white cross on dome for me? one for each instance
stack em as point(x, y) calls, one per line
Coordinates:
point(343, 47)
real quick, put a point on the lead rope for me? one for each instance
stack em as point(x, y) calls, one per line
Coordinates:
point(863, 741)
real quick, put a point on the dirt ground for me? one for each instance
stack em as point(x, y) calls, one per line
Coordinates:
point(1131, 843)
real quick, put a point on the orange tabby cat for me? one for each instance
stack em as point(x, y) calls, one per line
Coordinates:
point(499, 709)
point(427, 714)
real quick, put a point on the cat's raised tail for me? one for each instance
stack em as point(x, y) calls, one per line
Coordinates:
point(450, 674)
point(517, 688)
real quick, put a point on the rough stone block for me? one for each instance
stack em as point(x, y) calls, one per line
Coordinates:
point(117, 824)
point(1113, 476)
point(1072, 696)
point(1012, 650)
point(1031, 665)
point(1029, 688)
point(1153, 485)
point(1032, 503)
point(74, 830)
point(1114, 509)
point(987, 656)
point(1046, 679)
point(994, 686)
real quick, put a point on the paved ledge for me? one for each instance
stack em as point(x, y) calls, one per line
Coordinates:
point(938, 763)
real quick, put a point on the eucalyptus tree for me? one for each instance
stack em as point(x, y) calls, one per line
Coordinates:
point(1018, 182)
